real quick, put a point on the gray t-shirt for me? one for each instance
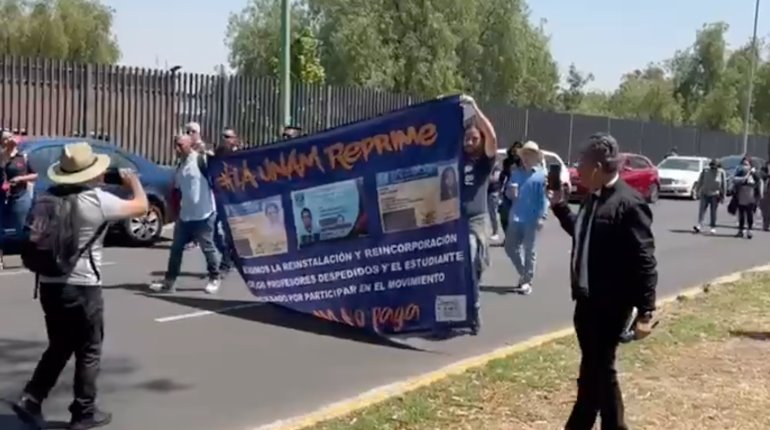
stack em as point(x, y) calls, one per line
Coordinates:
point(476, 180)
point(94, 207)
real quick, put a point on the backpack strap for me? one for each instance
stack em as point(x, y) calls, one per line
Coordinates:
point(203, 166)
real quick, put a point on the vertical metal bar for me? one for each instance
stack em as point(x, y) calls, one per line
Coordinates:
point(141, 109)
point(112, 128)
point(3, 91)
point(48, 87)
point(66, 114)
point(11, 91)
point(28, 124)
point(123, 129)
point(569, 140)
point(86, 89)
point(134, 118)
point(103, 108)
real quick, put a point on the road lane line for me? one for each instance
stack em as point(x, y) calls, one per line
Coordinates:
point(206, 313)
point(25, 271)
point(380, 394)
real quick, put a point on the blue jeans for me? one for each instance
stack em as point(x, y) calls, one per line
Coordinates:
point(520, 247)
point(711, 203)
point(223, 246)
point(13, 216)
point(202, 232)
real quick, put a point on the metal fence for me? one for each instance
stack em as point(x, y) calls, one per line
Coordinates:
point(140, 109)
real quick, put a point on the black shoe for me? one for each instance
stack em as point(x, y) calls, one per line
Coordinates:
point(97, 419)
point(29, 411)
point(749, 234)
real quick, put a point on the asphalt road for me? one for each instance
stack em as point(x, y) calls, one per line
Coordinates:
point(170, 365)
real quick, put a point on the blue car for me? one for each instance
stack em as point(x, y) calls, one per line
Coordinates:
point(42, 152)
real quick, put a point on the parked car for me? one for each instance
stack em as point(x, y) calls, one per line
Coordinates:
point(548, 159)
point(638, 172)
point(679, 175)
point(42, 152)
point(731, 162)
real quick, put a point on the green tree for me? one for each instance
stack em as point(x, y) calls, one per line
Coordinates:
point(571, 97)
point(74, 30)
point(646, 95)
point(253, 38)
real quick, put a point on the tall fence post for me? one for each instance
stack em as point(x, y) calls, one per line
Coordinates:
point(328, 119)
point(526, 124)
point(85, 91)
point(569, 139)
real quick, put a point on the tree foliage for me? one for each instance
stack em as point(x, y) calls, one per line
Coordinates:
point(73, 30)
point(429, 47)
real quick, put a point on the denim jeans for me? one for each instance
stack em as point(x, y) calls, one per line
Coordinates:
point(202, 232)
point(74, 320)
point(13, 216)
point(493, 201)
point(223, 246)
point(711, 203)
point(520, 248)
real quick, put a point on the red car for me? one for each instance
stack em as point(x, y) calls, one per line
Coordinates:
point(638, 172)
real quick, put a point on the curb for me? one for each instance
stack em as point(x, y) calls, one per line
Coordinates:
point(386, 392)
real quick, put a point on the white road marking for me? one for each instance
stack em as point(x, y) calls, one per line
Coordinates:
point(206, 313)
point(25, 271)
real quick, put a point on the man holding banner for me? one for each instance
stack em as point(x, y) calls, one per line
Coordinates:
point(480, 146)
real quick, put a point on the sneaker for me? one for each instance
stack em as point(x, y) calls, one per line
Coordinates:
point(713, 231)
point(162, 286)
point(749, 234)
point(696, 229)
point(97, 419)
point(495, 238)
point(29, 411)
point(739, 234)
point(525, 289)
point(212, 287)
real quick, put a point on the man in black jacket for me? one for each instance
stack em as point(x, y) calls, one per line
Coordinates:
point(613, 270)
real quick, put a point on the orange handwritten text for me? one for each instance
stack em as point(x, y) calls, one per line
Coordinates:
point(289, 166)
point(346, 155)
point(382, 317)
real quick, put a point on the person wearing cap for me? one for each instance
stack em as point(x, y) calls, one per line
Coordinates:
point(526, 189)
point(613, 270)
point(711, 190)
point(480, 151)
point(197, 219)
point(16, 177)
point(230, 143)
point(73, 304)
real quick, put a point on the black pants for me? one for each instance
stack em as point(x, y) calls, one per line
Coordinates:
point(598, 329)
point(746, 217)
point(74, 320)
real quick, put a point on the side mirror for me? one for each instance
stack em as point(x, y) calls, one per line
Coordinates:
point(627, 168)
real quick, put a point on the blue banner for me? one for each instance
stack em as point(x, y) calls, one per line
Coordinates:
point(361, 224)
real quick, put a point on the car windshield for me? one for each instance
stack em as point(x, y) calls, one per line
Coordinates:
point(731, 162)
point(550, 159)
point(686, 164)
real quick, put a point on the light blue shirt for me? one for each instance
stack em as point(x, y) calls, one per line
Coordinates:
point(197, 199)
point(532, 202)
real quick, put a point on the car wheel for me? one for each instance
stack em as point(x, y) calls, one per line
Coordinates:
point(146, 229)
point(653, 193)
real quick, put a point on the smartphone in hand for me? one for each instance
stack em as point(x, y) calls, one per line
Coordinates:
point(554, 177)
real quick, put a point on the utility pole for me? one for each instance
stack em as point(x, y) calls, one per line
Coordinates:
point(749, 96)
point(286, 62)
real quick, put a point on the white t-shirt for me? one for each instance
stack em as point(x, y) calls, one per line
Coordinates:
point(94, 208)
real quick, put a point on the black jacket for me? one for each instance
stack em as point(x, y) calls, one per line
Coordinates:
point(622, 270)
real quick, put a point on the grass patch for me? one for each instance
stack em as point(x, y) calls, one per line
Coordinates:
point(707, 366)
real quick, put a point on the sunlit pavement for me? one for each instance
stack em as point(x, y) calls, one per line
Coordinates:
point(172, 363)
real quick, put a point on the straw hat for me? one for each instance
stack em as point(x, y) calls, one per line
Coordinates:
point(529, 146)
point(78, 164)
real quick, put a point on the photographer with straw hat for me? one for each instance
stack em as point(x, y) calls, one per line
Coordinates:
point(66, 227)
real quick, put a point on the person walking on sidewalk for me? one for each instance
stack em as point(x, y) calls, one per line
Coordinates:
point(66, 228)
point(197, 218)
point(526, 189)
point(747, 194)
point(613, 270)
point(711, 190)
point(510, 163)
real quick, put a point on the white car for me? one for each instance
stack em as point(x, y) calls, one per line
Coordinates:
point(679, 175)
point(548, 159)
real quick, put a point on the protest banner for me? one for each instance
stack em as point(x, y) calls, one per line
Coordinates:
point(361, 224)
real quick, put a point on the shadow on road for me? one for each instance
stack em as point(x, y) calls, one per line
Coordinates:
point(270, 314)
point(18, 359)
point(753, 335)
point(502, 291)
point(730, 235)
